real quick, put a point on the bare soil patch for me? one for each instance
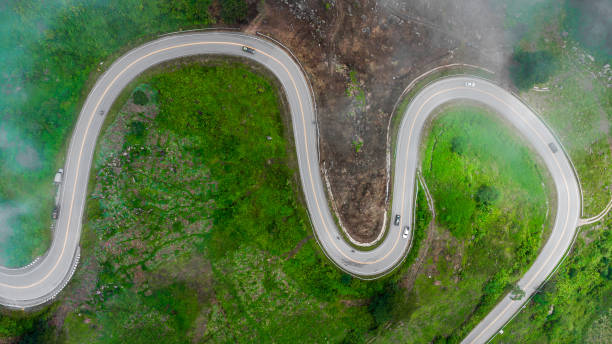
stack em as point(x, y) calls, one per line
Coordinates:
point(385, 45)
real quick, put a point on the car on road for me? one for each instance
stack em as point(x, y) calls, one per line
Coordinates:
point(59, 176)
point(470, 84)
point(406, 232)
point(553, 147)
point(101, 112)
point(397, 220)
point(55, 213)
point(248, 49)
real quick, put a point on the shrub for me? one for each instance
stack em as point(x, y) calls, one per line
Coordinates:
point(529, 68)
point(233, 11)
point(140, 98)
point(486, 195)
point(458, 145)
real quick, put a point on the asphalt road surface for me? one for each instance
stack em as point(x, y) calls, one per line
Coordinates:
point(40, 282)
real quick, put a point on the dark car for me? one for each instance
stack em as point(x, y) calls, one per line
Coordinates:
point(552, 147)
point(248, 49)
point(397, 220)
point(55, 213)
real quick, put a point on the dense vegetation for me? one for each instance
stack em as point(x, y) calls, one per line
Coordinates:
point(529, 68)
point(576, 305)
point(542, 26)
point(201, 232)
point(195, 231)
point(49, 50)
point(233, 11)
point(491, 207)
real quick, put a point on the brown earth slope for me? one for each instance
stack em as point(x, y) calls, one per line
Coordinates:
point(376, 49)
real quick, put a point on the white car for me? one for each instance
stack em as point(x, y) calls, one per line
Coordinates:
point(406, 232)
point(59, 176)
point(470, 84)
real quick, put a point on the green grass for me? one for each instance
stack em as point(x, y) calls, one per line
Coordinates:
point(468, 153)
point(485, 247)
point(354, 89)
point(232, 201)
point(579, 109)
point(202, 181)
point(577, 298)
point(51, 53)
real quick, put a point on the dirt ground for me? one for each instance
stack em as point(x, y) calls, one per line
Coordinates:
point(385, 45)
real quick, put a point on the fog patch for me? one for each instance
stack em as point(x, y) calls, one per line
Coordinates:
point(9, 214)
point(475, 27)
point(16, 152)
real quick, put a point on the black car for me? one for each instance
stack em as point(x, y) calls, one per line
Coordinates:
point(552, 147)
point(397, 220)
point(248, 49)
point(55, 213)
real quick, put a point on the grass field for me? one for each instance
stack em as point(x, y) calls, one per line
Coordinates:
point(51, 53)
point(195, 232)
point(491, 207)
point(199, 225)
point(575, 305)
point(195, 229)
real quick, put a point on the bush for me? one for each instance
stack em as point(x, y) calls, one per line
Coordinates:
point(529, 68)
point(381, 304)
point(136, 133)
point(517, 293)
point(486, 195)
point(140, 98)
point(233, 11)
point(458, 145)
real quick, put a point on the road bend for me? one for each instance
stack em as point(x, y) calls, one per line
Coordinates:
point(40, 282)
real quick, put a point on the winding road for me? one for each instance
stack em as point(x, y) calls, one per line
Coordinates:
point(40, 282)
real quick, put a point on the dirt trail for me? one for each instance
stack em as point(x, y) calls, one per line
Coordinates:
point(254, 25)
point(415, 268)
point(297, 247)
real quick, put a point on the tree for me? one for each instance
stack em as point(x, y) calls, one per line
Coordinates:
point(486, 195)
point(458, 145)
point(233, 11)
point(517, 293)
point(529, 68)
point(140, 98)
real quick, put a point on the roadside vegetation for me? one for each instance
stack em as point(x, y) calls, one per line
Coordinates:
point(195, 230)
point(51, 53)
point(201, 235)
point(491, 204)
point(575, 305)
point(50, 50)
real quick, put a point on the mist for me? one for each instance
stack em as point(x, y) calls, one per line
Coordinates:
point(16, 153)
point(9, 216)
point(24, 192)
